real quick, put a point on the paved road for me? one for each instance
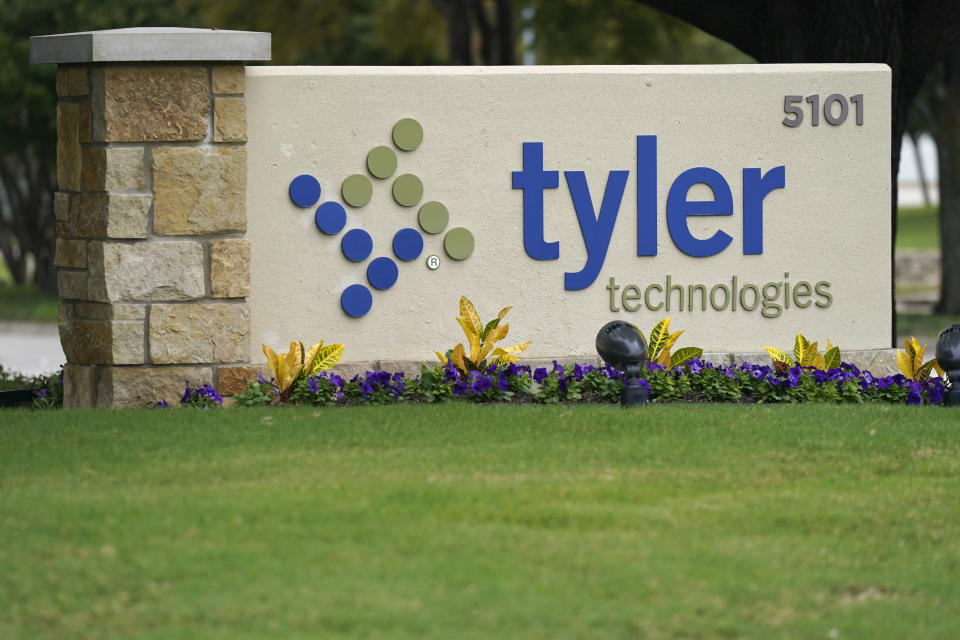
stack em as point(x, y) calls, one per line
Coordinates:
point(29, 348)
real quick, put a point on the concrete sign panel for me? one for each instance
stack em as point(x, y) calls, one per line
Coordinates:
point(745, 202)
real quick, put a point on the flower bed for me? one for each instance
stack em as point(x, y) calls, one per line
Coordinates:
point(694, 381)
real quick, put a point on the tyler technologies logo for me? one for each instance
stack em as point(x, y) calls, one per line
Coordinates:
point(356, 244)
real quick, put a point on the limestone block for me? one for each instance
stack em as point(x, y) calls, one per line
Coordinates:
point(72, 81)
point(146, 271)
point(199, 190)
point(63, 230)
point(70, 253)
point(103, 215)
point(720, 358)
point(86, 129)
point(228, 78)
point(230, 268)
point(188, 333)
point(69, 158)
point(229, 120)
point(118, 169)
point(129, 311)
point(61, 206)
point(102, 342)
point(232, 380)
point(102, 311)
point(138, 386)
point(153, 103)
point(72, 285)
point(752, 357)
point(879, 362)
point(79, 386)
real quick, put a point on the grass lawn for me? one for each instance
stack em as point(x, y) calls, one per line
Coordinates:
point(924, 324)
point(464, 521)
point(27, 304)
point(918, 228)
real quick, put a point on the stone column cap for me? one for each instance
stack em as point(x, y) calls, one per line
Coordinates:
point(151, 44)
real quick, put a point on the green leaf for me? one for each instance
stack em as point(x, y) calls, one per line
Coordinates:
point(924, 371)
point(490, 325)
point(799, 348)
point(326, 357)
point(831, 359)
point(778, 355)
point(658, 338)
point(684, 354)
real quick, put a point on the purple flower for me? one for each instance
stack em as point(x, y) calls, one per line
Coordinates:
point(42, 393)
point(557, 367)
point(852, 368)
point(459, 388)
point(312, 385)
point(914, 396)
point(935, 392)
point(480, 384)
point(261, 379)
point(540, 375)
point(450, 371)
point(502, 383)
point(695, 365)
point(211, 393)
point(615, 374)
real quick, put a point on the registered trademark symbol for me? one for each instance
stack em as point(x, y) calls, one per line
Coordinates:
point(433, 262)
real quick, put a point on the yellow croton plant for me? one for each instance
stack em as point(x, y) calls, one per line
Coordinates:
point(806, 354)
point(481, 339)
point(911, 364)
point(289, 367)
point(662, 341)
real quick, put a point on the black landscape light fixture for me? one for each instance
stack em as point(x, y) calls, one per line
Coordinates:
point(948, 357)
point(622, 346)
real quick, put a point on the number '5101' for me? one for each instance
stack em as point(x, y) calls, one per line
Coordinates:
point(835, 109)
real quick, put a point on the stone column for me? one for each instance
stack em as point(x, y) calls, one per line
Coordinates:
point(153, 263)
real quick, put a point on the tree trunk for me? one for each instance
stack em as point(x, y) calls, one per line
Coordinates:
point(505, 41)
point(486, 33)
point(458, 31)
point(946, 130)
point(27, 225)
point(921, 172)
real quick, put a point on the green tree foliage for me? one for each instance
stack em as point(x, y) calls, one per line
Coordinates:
point(335, 32)
point(28, 104)
point(620, 32)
